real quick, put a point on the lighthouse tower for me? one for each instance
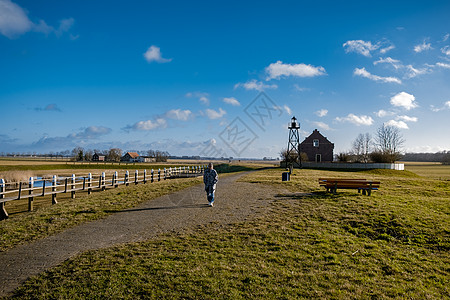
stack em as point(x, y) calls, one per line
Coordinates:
point(293, 149)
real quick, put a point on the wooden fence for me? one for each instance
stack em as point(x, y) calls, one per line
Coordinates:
point(39, 187)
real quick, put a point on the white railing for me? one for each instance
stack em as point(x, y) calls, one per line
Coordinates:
point(39, 187)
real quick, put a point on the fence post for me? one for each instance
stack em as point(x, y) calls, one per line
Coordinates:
point(116, 176)
point(152, 176)
point(89, 183)
point(145, 176)
point(103, 181)
point(3, 213)
point(54, 190)
point(30, 192)
point(136, 174)
point(159, 174)
point(165, 174)
point(127, 174)
point(72, 187)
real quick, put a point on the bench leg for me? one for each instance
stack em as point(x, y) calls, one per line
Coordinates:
point(3, 212)
point(369, 192)
point(364, 192)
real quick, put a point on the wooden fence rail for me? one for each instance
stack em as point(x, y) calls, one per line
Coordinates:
point(43, 187)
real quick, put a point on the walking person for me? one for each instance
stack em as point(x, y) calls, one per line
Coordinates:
point(210, 179)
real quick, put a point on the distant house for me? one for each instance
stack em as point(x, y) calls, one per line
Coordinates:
point(98, 157)
point(317, 147)
point(130, 157)
point(146, 159)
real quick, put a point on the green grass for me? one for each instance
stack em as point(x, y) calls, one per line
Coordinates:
point(307, 244)
point(48, 219)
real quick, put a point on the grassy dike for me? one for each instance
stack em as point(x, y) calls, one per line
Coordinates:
point(49, 219)
point(308, 244)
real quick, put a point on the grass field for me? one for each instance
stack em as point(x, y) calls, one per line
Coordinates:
point(308, 244)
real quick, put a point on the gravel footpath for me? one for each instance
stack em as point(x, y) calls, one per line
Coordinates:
point(179, 212)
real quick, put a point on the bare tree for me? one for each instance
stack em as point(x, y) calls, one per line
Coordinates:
point(361, 147)
point(389, 142)
point(78, 154)
point(114, 154)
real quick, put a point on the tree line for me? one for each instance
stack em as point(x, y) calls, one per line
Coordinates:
point(115, 154)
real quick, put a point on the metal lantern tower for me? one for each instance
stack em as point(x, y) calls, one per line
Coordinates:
point(293, 149)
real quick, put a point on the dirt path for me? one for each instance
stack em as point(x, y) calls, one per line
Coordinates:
point(178, 212)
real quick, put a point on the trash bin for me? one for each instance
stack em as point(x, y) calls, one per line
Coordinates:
point(285, 176)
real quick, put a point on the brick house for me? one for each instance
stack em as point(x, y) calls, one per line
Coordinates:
point(317, 147)
point(98, 157)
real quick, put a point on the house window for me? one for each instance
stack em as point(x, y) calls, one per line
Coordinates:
point(315, 143)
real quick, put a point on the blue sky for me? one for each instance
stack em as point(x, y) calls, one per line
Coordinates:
point(221, 78)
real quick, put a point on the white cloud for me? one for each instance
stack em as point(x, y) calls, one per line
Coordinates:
point(153, 53)
point(407, 118)
point(15, 22)
point(444, 107)
point(387, 49)
point(300, 89)
point(13, 19)
point(255, 85)
point(202, 97)
point(364, 73)
point(212, 114)
point(279, 69)
point(231, 100)
point(287, 109)
point(322, 125)
point(148, 125)
point(382, 113)
point(443, 65)
point(322, 112)
point(361, 47)
point(178, 114)
point(357, 120)
point(445, 38)
point(413, 72)
point(398, 124)
point(446, 50)
point(405, 100)
point(394, 62)
point(422, 47)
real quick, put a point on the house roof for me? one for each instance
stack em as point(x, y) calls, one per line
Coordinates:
point(315, 135)
point(132, 154)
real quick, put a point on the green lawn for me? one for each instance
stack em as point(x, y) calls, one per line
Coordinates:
point(307, 244)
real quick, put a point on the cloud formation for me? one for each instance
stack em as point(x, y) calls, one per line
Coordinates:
point(212, 114)
point(255, 85)
point(322, 125)
point(422, 47)
point(231, 100)
point(364, 73)
point(398, 124)
point(14, 22)
point(49, 107)
point(279, 69)
point(153, 54)
point(445, 106)
point(202, 97)
point(147, 125)
point(321, 113)
point(405, 100)
point(178, 114)
point(360, 47)
point(357, 120)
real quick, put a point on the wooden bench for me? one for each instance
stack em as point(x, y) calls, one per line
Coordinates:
point(364, 185)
